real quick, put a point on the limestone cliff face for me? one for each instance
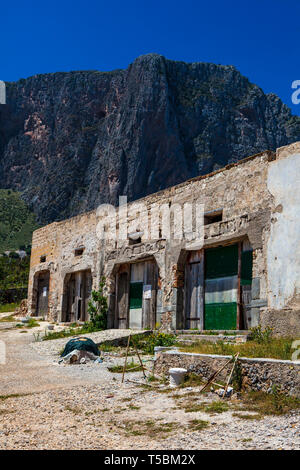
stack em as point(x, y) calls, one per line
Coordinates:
point(70, 141)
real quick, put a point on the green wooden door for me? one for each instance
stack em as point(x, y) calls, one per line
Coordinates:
point(220, 306)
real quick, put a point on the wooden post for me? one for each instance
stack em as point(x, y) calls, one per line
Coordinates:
point(124, 368)
point(230, 375)
point(239, 290)
point(214, 375)
point(140, 361)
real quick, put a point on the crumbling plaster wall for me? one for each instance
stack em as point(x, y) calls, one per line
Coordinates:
point(283, 245)
point(283, 257)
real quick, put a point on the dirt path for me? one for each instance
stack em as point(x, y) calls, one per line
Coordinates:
point(86, 407)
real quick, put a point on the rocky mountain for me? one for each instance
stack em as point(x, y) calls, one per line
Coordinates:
point(70, 141)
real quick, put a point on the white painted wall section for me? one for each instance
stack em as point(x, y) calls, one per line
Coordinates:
point(283, 252)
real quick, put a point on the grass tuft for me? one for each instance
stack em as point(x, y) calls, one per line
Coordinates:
point(276, 348)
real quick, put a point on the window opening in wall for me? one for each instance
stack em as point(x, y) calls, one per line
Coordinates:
point(135, 242)
point(213, 216)
point(43, 259)
point(79, 251)
point(135, 237)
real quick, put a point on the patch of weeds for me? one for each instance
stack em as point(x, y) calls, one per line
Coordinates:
point(261, 335)
point(216, 407)
point(126, 399)
point(148, 342)
point(9, 318)
point(246, 439)
point(134, 407)
point(130, 366)
point(198, 424)
point(37, 337)
point(23, 331)
point(191, 380)
point(110, 348)
point(276, 348)
point(5, 412)
point(13, 395)
point(32, 323)
point(245, 416)
point(81, 330)
point(75, 411)
point(162, 390)
point(237, 377)
point(275, 403)
point(191, 407)
point(150, 428)
point(93, 412)
point(152, 378)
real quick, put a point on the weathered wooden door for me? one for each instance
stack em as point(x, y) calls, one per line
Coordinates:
point(194, 290)
point(122, 300)
point(149, 294)
point(43, 294)
point(136, 295)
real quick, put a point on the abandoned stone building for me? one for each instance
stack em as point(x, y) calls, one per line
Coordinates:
point(244, 269)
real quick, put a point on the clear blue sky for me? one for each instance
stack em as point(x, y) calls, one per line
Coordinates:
point(260, 37)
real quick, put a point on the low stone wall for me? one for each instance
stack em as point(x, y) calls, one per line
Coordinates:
point(257, 374)
point(285, 322)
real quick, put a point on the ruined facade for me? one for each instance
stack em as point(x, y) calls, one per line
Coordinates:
point(242, 271)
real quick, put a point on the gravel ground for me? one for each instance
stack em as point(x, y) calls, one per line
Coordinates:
point(53, 347)
point(87, 407)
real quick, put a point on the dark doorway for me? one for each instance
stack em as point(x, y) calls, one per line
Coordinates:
point(77, 292)
point(42, 294)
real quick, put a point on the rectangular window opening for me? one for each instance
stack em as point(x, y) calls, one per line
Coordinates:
point(213, 216)
point(79, 251)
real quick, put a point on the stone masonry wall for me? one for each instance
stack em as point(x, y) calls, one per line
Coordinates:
point(257, 374)
point(239, 189)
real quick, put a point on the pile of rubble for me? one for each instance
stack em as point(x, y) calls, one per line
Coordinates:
point(22, 310)
point(79, 357)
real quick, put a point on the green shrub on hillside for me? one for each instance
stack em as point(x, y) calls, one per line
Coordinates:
point(17, 222)
point(13, 272)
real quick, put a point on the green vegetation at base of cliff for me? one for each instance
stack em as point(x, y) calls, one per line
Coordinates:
point(17, 222)
point(14, 272)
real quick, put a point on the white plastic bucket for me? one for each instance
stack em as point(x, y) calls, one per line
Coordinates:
point(176, 376)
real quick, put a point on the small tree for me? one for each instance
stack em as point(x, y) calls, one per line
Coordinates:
point(97, 307)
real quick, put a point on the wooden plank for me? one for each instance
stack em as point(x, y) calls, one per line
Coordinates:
point(153, 279)
point(239, 306)
point(146, 302)
point(149, 305)
point(187, 295)
point(123, 300)
point(194, 291)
